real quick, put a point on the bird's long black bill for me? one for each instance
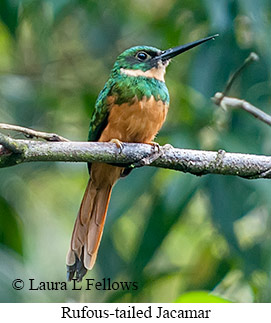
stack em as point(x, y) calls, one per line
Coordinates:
point(172, 52)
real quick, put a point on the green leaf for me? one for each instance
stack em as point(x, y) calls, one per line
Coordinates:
point(200, 297)
point(9, 14)
point(168, 206)
point(10, 227)
point(231, 199)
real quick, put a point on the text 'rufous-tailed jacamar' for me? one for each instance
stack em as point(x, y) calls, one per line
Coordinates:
point(132, 107)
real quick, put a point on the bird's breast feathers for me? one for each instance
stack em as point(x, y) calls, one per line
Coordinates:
point(134, 122)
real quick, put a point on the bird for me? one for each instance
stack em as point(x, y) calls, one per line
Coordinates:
point(131, 107)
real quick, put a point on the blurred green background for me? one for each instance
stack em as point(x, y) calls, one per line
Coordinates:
point(173, 233)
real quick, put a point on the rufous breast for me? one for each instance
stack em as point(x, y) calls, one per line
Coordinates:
point(135, 122)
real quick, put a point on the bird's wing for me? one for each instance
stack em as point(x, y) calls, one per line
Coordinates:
point(100, 115)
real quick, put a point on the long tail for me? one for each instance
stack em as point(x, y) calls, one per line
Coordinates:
point(88, 230)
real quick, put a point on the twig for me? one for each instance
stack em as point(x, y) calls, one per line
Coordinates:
point(192, 161)
point(251, 58)
point(228, 102)
point(30, 133)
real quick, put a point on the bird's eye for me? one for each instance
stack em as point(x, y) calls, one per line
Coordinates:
point(142, 56)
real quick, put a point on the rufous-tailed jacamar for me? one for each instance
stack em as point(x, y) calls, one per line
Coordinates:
point(132, 107)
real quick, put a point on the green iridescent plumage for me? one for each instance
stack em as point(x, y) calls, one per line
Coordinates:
point(127, 88)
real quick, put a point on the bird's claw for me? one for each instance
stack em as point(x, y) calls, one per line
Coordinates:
point(118, 143)
point(157, 152)
point(156, 146)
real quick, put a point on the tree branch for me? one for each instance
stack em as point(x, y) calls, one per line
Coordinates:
point(226, 102)
point(30, 133)
point(193, 161)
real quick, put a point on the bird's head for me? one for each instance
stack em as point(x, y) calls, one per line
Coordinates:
point(149, 61)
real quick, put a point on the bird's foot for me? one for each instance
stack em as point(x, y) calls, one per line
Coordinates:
point(118, 143)
point(155, 154)
point(156, 146)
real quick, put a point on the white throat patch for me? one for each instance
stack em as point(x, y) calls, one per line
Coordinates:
point(156, 72)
